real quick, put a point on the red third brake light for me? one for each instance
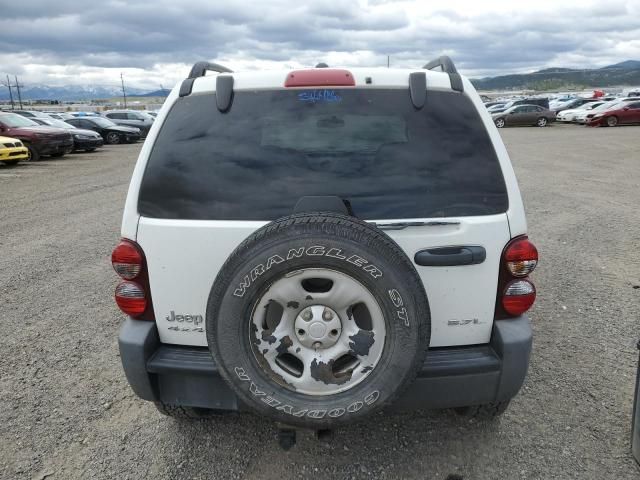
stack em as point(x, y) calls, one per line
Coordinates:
point(320, 77)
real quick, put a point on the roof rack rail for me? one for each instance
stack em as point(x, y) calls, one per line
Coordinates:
point(446, 65)
point(199, 69)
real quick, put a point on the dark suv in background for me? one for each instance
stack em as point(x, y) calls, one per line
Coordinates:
point(111, 132)
point(39, 140)
point(131, 118)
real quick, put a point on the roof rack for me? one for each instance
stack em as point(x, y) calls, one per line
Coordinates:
point(199, 69)
point(446, 65)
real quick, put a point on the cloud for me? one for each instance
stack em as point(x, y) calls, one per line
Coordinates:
point(155, 41)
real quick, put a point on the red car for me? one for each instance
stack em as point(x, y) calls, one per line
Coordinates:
point(622, 114)
point(39, 140)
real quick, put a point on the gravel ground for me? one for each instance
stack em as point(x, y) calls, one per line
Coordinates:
point(67, 411)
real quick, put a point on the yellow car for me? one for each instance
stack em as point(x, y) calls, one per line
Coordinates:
point(12, 151)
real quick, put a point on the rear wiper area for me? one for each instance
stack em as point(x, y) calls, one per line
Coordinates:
point(403, 225)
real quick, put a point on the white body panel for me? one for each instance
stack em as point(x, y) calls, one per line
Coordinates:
point(184, 256)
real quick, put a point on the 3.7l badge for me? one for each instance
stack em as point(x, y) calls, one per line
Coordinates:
point(462, 323)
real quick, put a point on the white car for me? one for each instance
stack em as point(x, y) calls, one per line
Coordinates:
point(569, 116)
point(314, 245)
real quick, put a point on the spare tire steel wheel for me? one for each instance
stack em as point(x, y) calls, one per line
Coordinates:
point(318, 320)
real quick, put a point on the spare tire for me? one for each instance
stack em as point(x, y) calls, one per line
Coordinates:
point(317, 320)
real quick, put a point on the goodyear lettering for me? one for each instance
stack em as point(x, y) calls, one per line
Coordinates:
point(272, 401)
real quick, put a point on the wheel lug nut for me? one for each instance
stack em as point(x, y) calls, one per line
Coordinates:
point(317, 345)
point(307, 315)
point(327, 315)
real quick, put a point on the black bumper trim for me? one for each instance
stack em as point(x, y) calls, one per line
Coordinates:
point(170, 359)
point(450, 377)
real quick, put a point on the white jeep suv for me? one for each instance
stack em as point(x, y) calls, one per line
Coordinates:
point(317, 244)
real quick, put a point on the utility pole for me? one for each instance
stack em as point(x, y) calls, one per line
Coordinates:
point(8, 85)
point(124, 94)
point(17, 85)
point(388, 59)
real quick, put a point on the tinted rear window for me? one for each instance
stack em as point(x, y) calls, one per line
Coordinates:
point(368, 146)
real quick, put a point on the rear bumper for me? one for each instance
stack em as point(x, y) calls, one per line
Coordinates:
point(450, 377)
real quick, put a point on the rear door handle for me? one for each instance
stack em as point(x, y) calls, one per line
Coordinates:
point(451, 256)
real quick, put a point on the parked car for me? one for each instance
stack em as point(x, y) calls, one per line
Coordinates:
point(131, 118)
point(524, 115)
point(493, 103)
point(625, 113)
point(39, 140)
point(613, 104)
point(153, 114)
point(86, 140)
point(400, 227)
point(573, 103)
point(568, 116)
point(497, 107)
point(583, 115)
point(110, 132)
point(60, 115)
point(84, 114)
point(31, 113)
point(12, 151)
point(541, 102)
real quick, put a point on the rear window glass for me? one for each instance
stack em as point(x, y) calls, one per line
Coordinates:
point(370, 147)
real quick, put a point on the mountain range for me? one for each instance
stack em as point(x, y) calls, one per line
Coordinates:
point(77, 92)
point(625, 73)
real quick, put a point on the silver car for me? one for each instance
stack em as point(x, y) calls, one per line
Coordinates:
point(131, 118)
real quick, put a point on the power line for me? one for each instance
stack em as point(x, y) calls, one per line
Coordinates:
point(8, 85)
point(124, 94)
point(17, 85)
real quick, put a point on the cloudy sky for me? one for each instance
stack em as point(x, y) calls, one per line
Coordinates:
point(153, 42)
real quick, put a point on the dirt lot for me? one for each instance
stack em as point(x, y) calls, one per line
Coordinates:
point(67, 412)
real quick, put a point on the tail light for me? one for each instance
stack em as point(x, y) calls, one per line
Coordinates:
point(518, 297)
point(516, 293)
point(521, 257)
point(132, 297)
point(127, 260)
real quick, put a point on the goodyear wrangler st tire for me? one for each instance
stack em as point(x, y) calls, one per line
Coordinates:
point(317, 320)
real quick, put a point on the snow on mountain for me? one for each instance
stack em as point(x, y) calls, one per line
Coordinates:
point(70, 92)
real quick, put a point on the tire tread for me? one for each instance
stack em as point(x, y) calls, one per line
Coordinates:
point(392, 251)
